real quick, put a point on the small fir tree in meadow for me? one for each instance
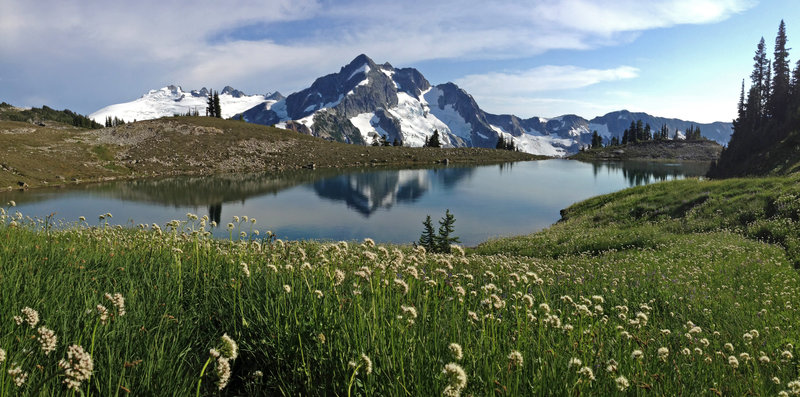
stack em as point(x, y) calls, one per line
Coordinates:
point(428, 237)
point(444, 240)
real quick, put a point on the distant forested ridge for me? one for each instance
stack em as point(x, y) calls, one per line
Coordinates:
point(45, 113)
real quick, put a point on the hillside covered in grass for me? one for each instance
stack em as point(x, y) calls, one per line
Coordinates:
point(684, 287)
point(58, 153)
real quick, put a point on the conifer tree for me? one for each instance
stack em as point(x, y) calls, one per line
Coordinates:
point(217, 107)
point(759, 77)
point(210, 108)
point(434, 141)
point(501, 143)
point(443, 239)
point(396, 142)
point(597, 141)
point(428, 237)
point(779, 97)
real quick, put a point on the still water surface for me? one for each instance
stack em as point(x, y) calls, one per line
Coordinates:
point(386, 205)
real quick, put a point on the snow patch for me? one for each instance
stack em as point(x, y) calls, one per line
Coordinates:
point(416, 122)
point(307, 121)
point(363, 69)
point(364, 124)
point(168, 101)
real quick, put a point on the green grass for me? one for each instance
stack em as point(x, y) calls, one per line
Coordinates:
point(634, 270)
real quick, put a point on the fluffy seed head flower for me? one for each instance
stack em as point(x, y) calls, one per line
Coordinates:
point(366, 363)
point(728, 347)
point(637, 354)
point(229, 348)
point(456, 351)
point(794, 386)
point(402, 285)
point(338, 277)
point(411, 311)
point(287, 288)
point(733, 362)
point(119, 302)
point(611, 365)
point(245, 269)
point(223, 370)
point(622, 383)
point(30, 316)
point(587, 373)
point(515, 359)
point(574, 361)
point(19, 376)
point(78, 367)
point(318, 294)
point(47, 338)
point(102, 311)
point(663, 352)
point(456, 379)
point(2, 355)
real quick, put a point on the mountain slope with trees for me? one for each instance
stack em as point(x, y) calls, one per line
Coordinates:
point(766, 138)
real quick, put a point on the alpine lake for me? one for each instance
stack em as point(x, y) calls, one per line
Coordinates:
point(387, 205)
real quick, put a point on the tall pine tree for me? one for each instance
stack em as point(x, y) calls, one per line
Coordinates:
point(779, 98)
point(217, 107)
point(210, 108)
point(759, 79)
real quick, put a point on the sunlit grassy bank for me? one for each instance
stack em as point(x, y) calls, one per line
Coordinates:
point(676, 288)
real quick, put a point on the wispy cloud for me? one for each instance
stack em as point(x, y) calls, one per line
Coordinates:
point(154, 40)
point(543, 78)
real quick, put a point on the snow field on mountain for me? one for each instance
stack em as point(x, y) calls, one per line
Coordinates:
point(167, 102)
point(416, 122)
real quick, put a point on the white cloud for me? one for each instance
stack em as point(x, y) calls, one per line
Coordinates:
point(543, 78)
point(164, 41)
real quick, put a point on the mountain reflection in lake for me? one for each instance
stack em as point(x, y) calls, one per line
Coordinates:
point(366, 192)
point(386, 205)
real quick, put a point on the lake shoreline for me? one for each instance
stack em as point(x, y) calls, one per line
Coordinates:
point(56, 155)
point(387, 204)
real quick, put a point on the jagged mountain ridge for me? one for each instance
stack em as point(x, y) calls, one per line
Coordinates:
point(364, 100)
point(172, 99)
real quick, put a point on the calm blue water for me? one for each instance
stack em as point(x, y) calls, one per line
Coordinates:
point(386, 205)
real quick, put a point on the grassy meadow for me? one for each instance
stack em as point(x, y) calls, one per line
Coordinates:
point(677, 288)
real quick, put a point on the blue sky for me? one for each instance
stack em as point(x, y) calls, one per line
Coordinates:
point(672, 58)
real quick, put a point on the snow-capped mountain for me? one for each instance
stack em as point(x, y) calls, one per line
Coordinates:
point(365, 100)
point(172, 100)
